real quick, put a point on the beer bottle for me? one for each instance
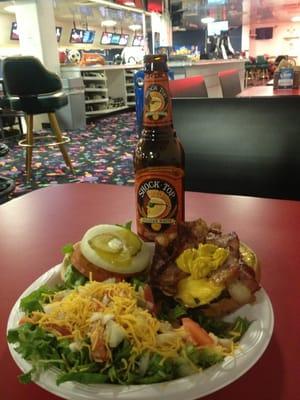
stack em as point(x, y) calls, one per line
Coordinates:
point(158, 157)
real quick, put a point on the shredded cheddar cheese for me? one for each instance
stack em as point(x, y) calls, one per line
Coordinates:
point(84, 312)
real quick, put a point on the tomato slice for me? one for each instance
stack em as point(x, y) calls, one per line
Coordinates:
point(86, 268)
point(198, 335)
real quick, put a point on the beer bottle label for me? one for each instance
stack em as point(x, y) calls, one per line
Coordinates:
point(159, 196)
point(157, 107)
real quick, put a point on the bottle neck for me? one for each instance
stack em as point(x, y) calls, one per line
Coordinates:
point(157, 113)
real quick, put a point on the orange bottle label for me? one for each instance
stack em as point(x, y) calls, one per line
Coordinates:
point(157, 107)
point(159, 199)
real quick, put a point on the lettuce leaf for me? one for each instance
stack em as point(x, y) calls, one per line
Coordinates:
point(35, 300)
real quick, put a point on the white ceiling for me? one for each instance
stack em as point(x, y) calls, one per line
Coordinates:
point(89, 12)
point(238, 11)
point(253, 11)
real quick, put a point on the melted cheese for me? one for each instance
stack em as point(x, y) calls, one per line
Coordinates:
point(195, 292)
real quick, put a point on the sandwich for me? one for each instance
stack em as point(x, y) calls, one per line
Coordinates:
point(202, 267)
point(106, 251)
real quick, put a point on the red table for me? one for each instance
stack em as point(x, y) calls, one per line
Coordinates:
point(267, 91)
point(35, 227)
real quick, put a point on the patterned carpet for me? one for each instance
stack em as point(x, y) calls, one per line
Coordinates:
point(100, 154)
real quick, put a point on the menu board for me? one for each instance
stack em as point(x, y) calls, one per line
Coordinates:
point(88, 36)
point(123, 40)
point(106, 38)
point(138, 41)
point(76, 35)
point(115, 38)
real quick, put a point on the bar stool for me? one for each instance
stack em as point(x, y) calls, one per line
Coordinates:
point(31, 88)
point(262, 67)
point(249, 73)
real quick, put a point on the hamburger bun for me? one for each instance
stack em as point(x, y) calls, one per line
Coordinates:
point(228, 305)
point(109, 251)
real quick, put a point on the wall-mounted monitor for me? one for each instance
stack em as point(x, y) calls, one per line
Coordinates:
point(123, 40)
point(88, 36)
point(14, 34)
point(263, 33)
point(215, 28)
point(106, 38)
point(58, 30)
point(76, 35)
point(115, 38)
point(138, 40)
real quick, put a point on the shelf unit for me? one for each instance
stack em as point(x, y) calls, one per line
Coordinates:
point(129, 85)
point(92, 79)
point(106, 89)
point(93, 101)
point(96, 91)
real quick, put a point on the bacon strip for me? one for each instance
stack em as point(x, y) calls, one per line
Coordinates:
point(165, 275)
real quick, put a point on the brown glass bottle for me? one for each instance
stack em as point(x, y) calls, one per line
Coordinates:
point(158, 157)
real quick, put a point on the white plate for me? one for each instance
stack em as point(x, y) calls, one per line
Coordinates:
point(252, 346)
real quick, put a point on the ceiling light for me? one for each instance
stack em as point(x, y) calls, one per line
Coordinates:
point(135, 27)
point(296, 18)
point(10, 9)
point(207, 20)
point(108, 23)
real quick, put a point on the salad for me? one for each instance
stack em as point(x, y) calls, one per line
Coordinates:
point(114, 332)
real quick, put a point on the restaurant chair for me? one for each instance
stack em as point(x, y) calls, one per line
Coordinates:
point(262, 67)
point(250, 68)
point(31, 88)
point(230, 82)
point(193, 86)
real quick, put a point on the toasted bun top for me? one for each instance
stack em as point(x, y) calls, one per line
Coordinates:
point(250, 258)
